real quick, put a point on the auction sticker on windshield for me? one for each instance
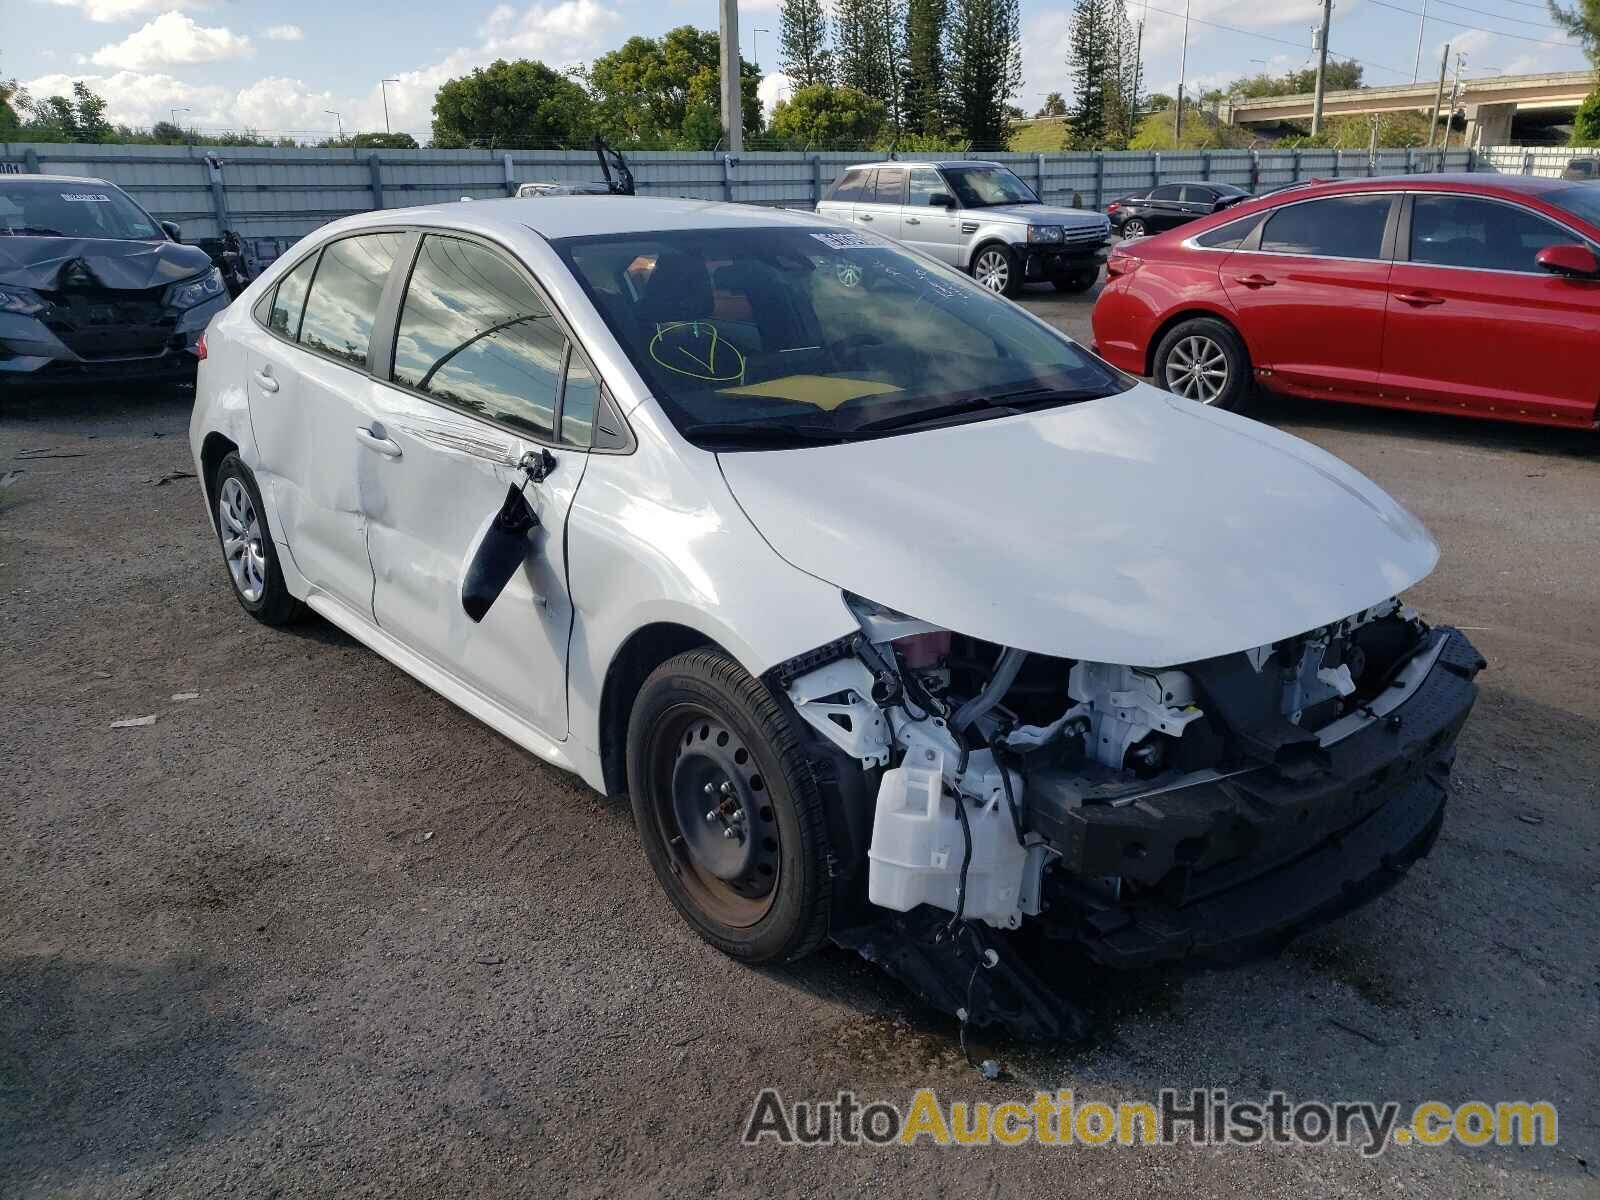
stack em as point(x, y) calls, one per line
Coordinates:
point(87, 197)
point(844, 241)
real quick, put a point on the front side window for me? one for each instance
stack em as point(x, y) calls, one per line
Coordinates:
point(474, 334)
point(1465, 231)
point(73, 210)
point(784, 334)
point(289, 300)
point(1167, 191)
point(891, 186)
point(986, 187)
point(922, 183)
point(1338, 227)
point(344, 295)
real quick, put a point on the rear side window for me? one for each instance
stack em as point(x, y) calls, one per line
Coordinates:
point(1463, 231)
point(290, 299)
point(1338, 227)
point(848, 189)
point(891, 187)
point(1167, 191)
point(344, 295)
point(1230, 236)
point(474, 334)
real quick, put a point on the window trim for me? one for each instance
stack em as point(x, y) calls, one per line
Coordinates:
point(1403, 234)
point(554, 442)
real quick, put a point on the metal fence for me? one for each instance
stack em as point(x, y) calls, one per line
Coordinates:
point(289, 192)
point(1548, 161)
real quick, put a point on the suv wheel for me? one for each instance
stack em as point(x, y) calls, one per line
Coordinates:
point(996, 268)
point(1204, 360)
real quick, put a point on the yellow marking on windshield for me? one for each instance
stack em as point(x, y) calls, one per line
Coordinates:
point(827, 392)
point(707, 355)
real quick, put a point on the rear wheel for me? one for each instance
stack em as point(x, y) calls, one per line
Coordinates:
point(1078, 281)
point(727, 808)
point(996, 268)
point(1134, 227)
point(1204, 360)
point(247, 547)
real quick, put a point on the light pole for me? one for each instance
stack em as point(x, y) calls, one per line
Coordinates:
point(755, 55)
point(1183, 69)
point(338, 120)
point(1322, 67)
point(175, 125)
point(1422, 27)
point(383, 85)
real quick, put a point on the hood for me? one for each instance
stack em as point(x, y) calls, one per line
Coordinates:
point(1044, 214)
point(1139, 529)
point(50, 263)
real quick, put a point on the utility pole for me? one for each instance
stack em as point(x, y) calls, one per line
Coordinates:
point(1422, 26)
point(1322, 67)
point(732, 118)
point(1455, 95)
point(1438, 97)
point(1183, 69)
point(383, 85)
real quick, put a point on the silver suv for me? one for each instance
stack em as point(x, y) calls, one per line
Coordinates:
point(977, 216)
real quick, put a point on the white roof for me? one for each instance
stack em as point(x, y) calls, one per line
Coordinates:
point(576, 216)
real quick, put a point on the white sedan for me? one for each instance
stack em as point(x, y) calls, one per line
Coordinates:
point(901, 618)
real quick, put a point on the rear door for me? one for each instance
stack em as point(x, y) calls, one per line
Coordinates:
point(882, 208)
point(934, 229)
point(839, 204)
point(1164, 208)
point(1310, 286)
point(1467, 281)
point(309, 396)
point(476, 382)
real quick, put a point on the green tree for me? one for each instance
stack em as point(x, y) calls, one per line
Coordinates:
point(870, 50)
point(383, 141)
point(821, 115)
point(521, 103)
point(1054, 105)
point(1586, 125)
point(1092, 62)
point(665, 91)
point(1582, 21)
point(925, 100)
point(803, 43)
point(984, 56)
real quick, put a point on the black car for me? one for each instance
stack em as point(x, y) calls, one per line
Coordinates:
point(1170, 205)
point(92, 286)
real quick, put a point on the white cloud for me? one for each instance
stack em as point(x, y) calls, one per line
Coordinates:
point(547, 30)
point(172, 39)
point(283, 33)
point(124, 10)
point(133, 98)
point(774, 87)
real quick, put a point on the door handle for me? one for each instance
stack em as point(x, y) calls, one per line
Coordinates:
point(265, 379)
point(913, 220)
point(1255, 281)
point(1419, 299)
point(863, 216)
point(378, 439)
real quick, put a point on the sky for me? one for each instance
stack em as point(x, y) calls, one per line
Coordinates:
point(289, 66)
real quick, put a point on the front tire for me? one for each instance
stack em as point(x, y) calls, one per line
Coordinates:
point(728, 809)
point(247, 546)
point(1204, 360)
point(996, 268)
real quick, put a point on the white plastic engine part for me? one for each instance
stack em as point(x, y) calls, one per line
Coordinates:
point(917, 850)
point(1127, 704)
point(836, 701)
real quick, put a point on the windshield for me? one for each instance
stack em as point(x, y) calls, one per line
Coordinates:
point(984, 187)
point(799, 334)
point(1582, 200)
point(75, 210)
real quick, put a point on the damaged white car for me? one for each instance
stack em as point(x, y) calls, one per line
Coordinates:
point(902, 619)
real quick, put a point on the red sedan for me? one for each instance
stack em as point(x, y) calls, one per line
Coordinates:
point(1470, 294)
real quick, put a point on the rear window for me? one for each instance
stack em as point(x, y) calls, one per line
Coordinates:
point(344, 295)
point(1338, 227)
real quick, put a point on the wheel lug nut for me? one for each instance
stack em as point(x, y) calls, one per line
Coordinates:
point(727, 788)
point(711, 815)
point(711, 789)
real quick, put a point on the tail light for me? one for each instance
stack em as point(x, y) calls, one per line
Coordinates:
point(200, 347)
point(1113, 207)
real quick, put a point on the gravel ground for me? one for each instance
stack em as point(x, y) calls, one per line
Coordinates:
point(315, 931)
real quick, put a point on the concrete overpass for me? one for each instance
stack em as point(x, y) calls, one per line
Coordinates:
point(1491, 102)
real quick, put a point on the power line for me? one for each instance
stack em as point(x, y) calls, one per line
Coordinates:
point(1265, 37)
point(1485, 13)
point(1411, 12)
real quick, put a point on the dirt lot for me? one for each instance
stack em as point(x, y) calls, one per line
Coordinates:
point(316, 931)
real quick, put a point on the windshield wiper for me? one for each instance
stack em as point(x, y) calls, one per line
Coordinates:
point(1016, 401)
point(764, 434)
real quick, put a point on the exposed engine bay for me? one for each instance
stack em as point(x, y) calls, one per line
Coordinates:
point(1202, 811)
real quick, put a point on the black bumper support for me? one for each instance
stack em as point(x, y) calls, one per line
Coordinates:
point(1228, 870)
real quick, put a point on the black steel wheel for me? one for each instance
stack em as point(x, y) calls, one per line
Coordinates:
point(727, 808)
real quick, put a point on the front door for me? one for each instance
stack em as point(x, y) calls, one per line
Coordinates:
point(1470, 280)
point(933, 229)
point(479, 367)
point(309, 394)
point(1311, 296)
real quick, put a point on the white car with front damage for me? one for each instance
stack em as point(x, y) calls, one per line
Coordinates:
point(901, 618)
